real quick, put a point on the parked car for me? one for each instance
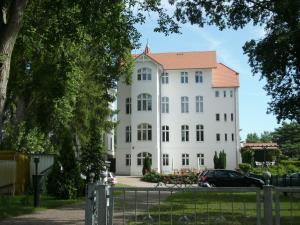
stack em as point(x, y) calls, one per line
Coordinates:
point(108, 177)
point(227, 178)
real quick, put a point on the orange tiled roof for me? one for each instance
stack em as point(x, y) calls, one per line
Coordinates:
point(223, 76)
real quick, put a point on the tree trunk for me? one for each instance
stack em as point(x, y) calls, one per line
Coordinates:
point(9, 29)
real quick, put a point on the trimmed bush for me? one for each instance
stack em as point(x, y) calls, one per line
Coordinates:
point(245, 167)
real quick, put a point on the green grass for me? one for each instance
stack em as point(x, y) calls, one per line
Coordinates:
point(23, 204)
point(214, 208)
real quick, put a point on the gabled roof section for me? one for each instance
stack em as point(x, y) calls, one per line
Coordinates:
point(183, 60)
point(224, 77)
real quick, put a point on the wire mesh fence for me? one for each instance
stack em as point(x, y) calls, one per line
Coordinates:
point(235, 206)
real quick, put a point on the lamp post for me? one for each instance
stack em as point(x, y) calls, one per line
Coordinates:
point(36, 160)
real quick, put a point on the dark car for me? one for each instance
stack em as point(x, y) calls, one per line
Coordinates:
point(227, 178)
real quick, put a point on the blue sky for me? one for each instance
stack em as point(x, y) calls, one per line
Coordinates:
point(228, 45)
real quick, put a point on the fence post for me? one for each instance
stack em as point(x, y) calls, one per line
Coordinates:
point(102, 204)
point(90, 204)
point(268, 217)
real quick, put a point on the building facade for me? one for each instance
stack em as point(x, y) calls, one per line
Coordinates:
point(178, 110)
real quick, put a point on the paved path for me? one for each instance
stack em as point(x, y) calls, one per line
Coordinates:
point(67, 215)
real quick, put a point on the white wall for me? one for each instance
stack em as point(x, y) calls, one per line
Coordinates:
point(174, 119)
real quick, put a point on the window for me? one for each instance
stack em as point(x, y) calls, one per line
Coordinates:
point(141, 157)
point(165, 159)
point(184, 104)
point(184, 79)
point(217, 94)
point(231, 93)
point(200, 158)
point(144, 132)
point(225, 117)
point(231, 116)
point(128, 105)
point(224, 94)
point(198, 77)
point(165, 133)
point(199, 132)
point(128, 159)
point(128, 134)
point(184, 133)
point(225, 137)
point(164, 78)
point(185, 159)
point(218, 137)
point(217, 117)
point(144, 102)
point(144, 74)
point(199, 103)
point(232, 136)
point(165, 104)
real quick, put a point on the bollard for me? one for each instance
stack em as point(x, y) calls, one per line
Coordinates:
point(268, 217)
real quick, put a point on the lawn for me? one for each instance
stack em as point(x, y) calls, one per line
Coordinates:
point(202, 208)
point(23, 204)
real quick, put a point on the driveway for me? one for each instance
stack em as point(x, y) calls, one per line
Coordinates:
point(134, 181)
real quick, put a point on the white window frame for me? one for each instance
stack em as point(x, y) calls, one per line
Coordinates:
point(185, 159)
point(144, 74)
point(128, 134)
point(217, 94)
point(184, 104)
point(128, 159)
point(141, 157)
point(144, 132)
point(199, 104)
point(165, 133)
point(218, 117)
point(165, 78)
point(165, 159)
point(199, 132)
point(184, 133)
point(144, 102)
point(128, 105)
point(184, 77)
point(200, 159)
point(198, 77)
point(165, 104)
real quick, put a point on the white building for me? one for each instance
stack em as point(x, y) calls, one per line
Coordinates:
point(180, 108)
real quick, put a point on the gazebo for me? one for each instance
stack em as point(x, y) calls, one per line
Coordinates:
point(263, 152)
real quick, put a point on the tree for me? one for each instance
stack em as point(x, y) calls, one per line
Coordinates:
point(252, 138)
point(276, 56)
point(11, 15)
point(220, 160)
point(266, 137)
point(288, 138)
point(146, 165)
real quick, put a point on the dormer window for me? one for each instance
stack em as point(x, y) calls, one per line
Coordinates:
point(144, 74)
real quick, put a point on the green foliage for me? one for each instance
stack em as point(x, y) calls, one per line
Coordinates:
point(266, 137)
point(220, 160)
point(170, 178)
point(146, 166)
point(290, 162)
point(252, 138)
point(288, 138)
point(65, 184)
point(245, 167)
point(152, 177)
point(247, 156)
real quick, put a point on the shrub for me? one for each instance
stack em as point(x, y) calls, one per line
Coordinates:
point(152, 177)
point(290, 162)
point(146, 166)
point(247, 156)
point(245, 167)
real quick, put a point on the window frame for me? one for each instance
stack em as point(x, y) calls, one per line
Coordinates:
point(144, 74)
point(165, 159)
point(128, 108)
point(184, 77)
point(185, 133)
point(199, 104)
point(164, 104)
point(127, 159)
point(144, 132)
point(198, 77)
point(165, 78)
point(165, 130)
point(141, 156)
point(144, 102)
point(217, 116)
point(185, 159)
point(184, 104)
point(201, 157)
point(199, 133)
point(218, 137)
point(128, 136)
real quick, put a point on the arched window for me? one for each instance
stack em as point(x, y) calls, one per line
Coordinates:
point(144, 74)
point(141, 156)
point(144, 132)
point(199, 132)
point(144, 102)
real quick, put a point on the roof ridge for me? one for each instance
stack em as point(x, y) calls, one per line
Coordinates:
point(228, 67)
point(180, 52)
